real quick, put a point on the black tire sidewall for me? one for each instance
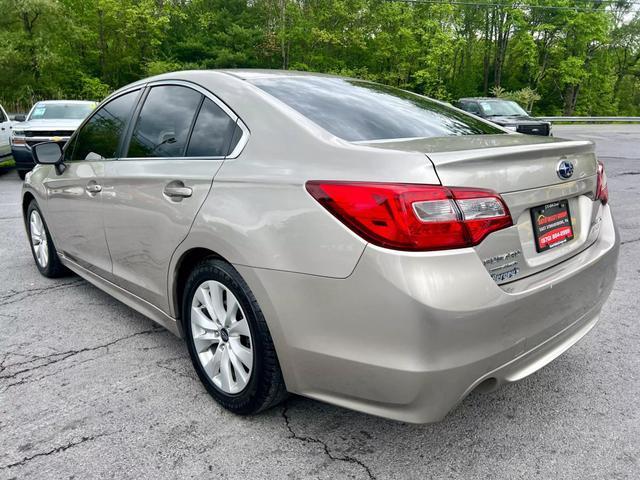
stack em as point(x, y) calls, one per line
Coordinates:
point(251, 397)
point(52, 262)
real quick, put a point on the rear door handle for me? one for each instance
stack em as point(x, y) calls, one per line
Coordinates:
point(93, 188)
point(177, 189)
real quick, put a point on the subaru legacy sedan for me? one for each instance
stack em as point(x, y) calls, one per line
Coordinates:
point(330, 237)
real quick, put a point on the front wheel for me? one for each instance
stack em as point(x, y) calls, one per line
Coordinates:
point(228, 340)
point(42, 248)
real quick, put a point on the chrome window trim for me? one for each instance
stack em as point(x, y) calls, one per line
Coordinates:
point(235, 153)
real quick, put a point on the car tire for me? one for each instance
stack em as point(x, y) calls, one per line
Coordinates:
point(42, 247)
point(22, 174)
point(247, 387)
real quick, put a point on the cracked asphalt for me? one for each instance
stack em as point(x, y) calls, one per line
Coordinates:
point(91, 389)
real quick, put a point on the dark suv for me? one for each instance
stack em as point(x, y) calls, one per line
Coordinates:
point(506, 113)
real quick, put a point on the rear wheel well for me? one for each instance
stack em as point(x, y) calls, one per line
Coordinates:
point(185, 266)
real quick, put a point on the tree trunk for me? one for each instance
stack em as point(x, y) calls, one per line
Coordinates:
point(102, 44)
point(487, 52)
point(503, 30)
point(28, 25)
point(570, 99)
point(283, 43)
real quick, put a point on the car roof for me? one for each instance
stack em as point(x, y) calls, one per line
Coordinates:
point(239, 74)
point(242, 75)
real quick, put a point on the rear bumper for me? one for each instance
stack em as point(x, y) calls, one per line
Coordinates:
point(408, 335)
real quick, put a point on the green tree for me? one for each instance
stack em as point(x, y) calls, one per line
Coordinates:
point(578, 56)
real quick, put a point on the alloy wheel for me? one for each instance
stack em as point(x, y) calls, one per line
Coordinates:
point(39, 239)
point(221, 337)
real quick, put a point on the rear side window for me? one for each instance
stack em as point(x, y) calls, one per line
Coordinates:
point(163, 126)
point(212, 132)
point(100, 136)
point(361, 111)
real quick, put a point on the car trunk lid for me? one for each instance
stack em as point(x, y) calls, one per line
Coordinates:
point(524, 171)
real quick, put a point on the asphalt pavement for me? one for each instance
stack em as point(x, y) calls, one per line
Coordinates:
point(91, 389)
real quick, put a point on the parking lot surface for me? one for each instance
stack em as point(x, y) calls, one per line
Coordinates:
point(91, 389)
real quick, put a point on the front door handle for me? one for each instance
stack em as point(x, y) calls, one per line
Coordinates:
point(93, 188)
point(177, 189)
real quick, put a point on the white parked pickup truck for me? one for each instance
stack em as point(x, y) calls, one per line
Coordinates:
point(5, 133)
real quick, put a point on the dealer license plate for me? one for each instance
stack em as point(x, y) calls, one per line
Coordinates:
point(552, 225)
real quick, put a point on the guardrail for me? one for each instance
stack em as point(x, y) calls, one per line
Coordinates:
point(592, 119)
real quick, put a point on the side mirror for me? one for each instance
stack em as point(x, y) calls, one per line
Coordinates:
point(19, 118)
point(49, 153)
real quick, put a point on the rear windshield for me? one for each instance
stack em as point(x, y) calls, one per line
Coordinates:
point(69, 111)
point(361, 111)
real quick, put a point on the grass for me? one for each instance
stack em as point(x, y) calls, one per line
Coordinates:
point(6, 164)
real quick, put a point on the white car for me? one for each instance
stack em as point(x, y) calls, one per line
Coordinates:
point(5, 133)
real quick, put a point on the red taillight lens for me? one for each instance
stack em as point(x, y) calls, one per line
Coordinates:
point(602, 190)
point(413, 217)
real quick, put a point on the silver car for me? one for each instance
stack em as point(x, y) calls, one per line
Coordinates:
point(329, 237)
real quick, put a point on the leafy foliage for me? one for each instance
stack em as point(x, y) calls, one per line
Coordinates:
point(577, 57)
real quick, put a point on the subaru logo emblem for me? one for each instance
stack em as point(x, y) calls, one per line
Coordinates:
point(565, 169)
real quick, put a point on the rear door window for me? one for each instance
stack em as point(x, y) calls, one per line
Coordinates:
point(163, 125)
point(212, 132)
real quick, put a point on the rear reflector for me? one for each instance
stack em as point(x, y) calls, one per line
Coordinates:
point(413, 217)
point(602, 190)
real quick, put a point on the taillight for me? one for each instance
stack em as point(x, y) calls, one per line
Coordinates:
point(602, 189)
point(413, 217)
